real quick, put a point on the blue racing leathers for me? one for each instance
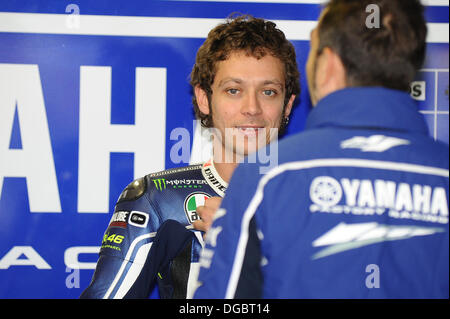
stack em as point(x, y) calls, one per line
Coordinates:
point(150, 237)
point(357, 207)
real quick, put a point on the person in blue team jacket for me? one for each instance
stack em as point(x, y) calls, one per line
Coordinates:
point(358, 205)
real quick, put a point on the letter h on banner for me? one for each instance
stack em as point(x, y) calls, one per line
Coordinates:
point(98, 137)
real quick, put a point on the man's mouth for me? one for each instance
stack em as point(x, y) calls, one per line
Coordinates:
point(250, 131)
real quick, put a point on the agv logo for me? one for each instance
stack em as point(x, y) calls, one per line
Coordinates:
point(192, 202)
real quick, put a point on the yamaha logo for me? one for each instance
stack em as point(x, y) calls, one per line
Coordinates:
point(325, 191)
point(399, 200)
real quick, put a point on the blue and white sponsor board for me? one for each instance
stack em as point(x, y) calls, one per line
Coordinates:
point(90, 95)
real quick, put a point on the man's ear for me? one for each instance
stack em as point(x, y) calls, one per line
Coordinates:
point(202, 99)
point(335, 70)
point(288, 108)
point(331, 74)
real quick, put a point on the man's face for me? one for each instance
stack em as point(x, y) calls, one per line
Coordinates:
point(247, 97)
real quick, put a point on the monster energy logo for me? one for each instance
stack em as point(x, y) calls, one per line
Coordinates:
point(160, 183)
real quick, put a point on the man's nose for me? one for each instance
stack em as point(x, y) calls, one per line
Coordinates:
point(251, 104)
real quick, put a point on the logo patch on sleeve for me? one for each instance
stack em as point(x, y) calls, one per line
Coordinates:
point(138, 219)
point(191, 203)
point(119, 219)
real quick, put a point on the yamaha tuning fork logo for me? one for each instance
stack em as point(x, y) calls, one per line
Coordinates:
point(325, 191)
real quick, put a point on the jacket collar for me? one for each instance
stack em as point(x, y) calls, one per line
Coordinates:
point(213, 178)
point(368, 107)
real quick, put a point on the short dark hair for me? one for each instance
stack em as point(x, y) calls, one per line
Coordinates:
point(387, 55)
point(257, 37)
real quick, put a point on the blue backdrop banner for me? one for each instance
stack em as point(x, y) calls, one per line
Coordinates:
point(90, 92)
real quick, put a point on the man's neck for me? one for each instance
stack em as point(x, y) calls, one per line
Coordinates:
point(225, 170)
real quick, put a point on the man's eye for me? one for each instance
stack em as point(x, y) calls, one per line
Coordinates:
point(269, 92)
point(233, 91)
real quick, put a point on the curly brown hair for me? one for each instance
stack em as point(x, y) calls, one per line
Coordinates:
point(257, 37)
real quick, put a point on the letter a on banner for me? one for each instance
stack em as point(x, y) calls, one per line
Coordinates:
point(20, 88)
point(14, 257)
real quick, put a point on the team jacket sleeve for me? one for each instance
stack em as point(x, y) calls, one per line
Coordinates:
point(123, 268)
point(230, 261)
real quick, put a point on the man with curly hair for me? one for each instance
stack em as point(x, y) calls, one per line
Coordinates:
point(245, 80)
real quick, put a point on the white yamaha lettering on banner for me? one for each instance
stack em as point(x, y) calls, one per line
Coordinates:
point(98, 138)
point(28, 256)
point(21, 93)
